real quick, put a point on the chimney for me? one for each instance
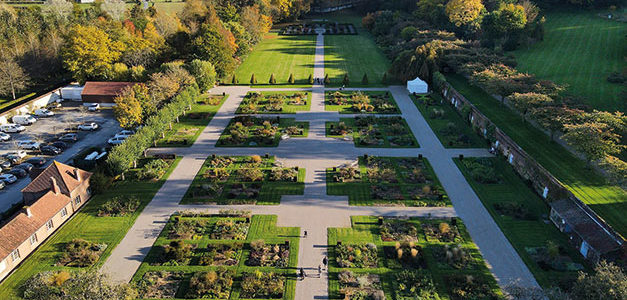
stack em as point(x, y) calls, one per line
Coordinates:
point(77, 174)
point(27, 211)
point(55, 186)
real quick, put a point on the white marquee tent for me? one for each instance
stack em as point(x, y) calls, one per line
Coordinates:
point(417, 86)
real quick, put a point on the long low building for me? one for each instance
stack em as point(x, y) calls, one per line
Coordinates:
point(50, 200)
point(103, 91)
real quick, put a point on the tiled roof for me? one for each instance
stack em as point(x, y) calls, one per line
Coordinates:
point(105, 88)
point(63, 175)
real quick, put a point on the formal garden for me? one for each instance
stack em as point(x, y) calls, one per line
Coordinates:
point(244, 180)
point(330, 28)
point(249, 131)
point(275, 103)
point(453, 130)
point(229, 255)
point(407, 181)
point(373, 132)
point(189, 126)
point(407, 258)
point(523, 217)
point(88, 238)
point(359, 102)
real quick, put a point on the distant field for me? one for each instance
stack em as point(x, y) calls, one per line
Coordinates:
point(580, 49)
point(280, 55)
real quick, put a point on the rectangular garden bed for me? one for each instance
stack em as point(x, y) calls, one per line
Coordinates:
point(248, 131)
point(359, 102)
point(374, 132)
point(275, 103)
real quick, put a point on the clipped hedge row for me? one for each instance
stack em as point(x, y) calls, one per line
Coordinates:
point(122, 156)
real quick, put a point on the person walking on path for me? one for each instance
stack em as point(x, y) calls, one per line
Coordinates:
point(305, 236)
point(325, 260)
point(319, 271)
point(302, 273)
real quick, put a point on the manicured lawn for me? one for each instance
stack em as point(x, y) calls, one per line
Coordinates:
point(359, 102)
point(214, 231)
point(247, 131)
point(388, 181)
point(450, 127)
point(374, 132)
point(281, 55)
point(356, 55)
point(186, 131)
point(607, 200)
point(519, 212)
point(427, 260)
point(87, 225)
point(275, 103)
point(241, 180)
point(580, 49)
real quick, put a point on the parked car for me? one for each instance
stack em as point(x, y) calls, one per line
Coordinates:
point(69, 137)
point(116, 140)
point(60, 145)
point(25, 166)
point(43, 112)
point(19, 173)
point(19, 153)
point(50, 150)
point(23, 120)
point(12, 128)
point(4, 136)
point(90, 126)
point(93, 107)
point(124, 133)
point(8, 178)
point(36, 161)
point(28, 144)
point(12, 158)
point(5, 164)
point(2, 185)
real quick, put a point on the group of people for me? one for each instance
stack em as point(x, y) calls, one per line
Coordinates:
point(325, 261)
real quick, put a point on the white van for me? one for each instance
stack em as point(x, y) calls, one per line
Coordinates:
point(24, 120)
point(10, 128)
point(42, 112)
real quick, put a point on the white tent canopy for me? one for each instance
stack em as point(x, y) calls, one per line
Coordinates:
point(417, 86)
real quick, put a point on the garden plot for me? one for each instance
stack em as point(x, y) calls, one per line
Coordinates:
point(453, 129)
point(310, 29)
point(244, 180)
point(275, 103)
point(408, 181)
point(248, 131)
point(226, 256)
point(361, 102)
point(374, 132)
point(185, 132)
point(396, 259)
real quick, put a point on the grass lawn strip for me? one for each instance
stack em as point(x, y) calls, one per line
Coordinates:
point(408, 181)
point(374, 132)
point(86, 225)
point(186, 131)
point(244, 180)
point(450, 127)
point(213, 237)
point(522, 215)
point(609, 201)
point(275, 103)
point(249, 131)
point(355, 102)
point(412, 257)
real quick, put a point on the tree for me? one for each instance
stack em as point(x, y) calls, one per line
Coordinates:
point(89, 52)
point(364, 80)
point(408, 32)
point(212, 43)
point(204, 73)
point(384, 79)
point(616, 169)
point(345, 81)
point(504, 21)
point(253, 80)
point(594, 140)
point(12, 77)
point(310, 79)
point(326, 79)
point(554, 118)
point(233, 79)
point(116, 9)
point(59, 10)
point(608, 282)
point(291, 79)
point(166, 24)
point(500, 80)
point(128, 109)
point(75, 286)
point(525, 102)
point(463, 12)
point(272, 79)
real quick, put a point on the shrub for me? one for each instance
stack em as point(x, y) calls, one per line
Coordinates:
point(616, 77)
point(291, 79)
point(211, 284)
point(262, 285)
point(272, 79)
point(364, 80)
point(326, 79)
point(177, 252)
point(99, 182)
point(255, 159)
point(357, 256)
point(310, 79)
point(153, 170)
point(119, 206)
point(80, 253)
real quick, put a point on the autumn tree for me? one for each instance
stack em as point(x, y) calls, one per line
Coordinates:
point(203, 72)
point(526, 101)
point(505, 20)
point(59, 10)
point(501, 80)
point(128, 109)
point(463, 12)
point(214, 43)
point(554, 118)
point(608, 281)
point(616, 169)
point(595, 140)
point(116, 9)
point(255, 23)
point(12, 77)
point(166, 24)
point(89, 52)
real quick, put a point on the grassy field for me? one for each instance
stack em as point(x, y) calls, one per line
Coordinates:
point(607, 200)
point(186, 131)
point(580, 49)
point(526, 229)
point(261, 227)
point(356, 55)
point(224, 188)
point(367, 230)
point(452, 130)
point(87, 225)
point(279, 55)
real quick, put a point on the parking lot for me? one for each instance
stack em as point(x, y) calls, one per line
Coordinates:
point(48, 129)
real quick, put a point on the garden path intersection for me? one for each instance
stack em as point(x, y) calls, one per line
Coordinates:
point(315, 211)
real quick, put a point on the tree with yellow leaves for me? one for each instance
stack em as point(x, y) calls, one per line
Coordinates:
point(463, 12)
point(90, 53)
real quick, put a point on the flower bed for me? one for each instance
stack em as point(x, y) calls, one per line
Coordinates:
point(262, 255)
point(462, 287)
point(229, 229)
point(414, 285)
point(398, 231)
point(444, 232)
point(361, 102)
point(374, 132)
point(274, 102)
point(405, 254)
point(453, 256)
point(119, 206)
point(159, 284)
point(219, 255)
point(360, 286)
point(211, 284)
point(260, 285)
point(247, 131)
point(80, 253)
point(357, 256)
